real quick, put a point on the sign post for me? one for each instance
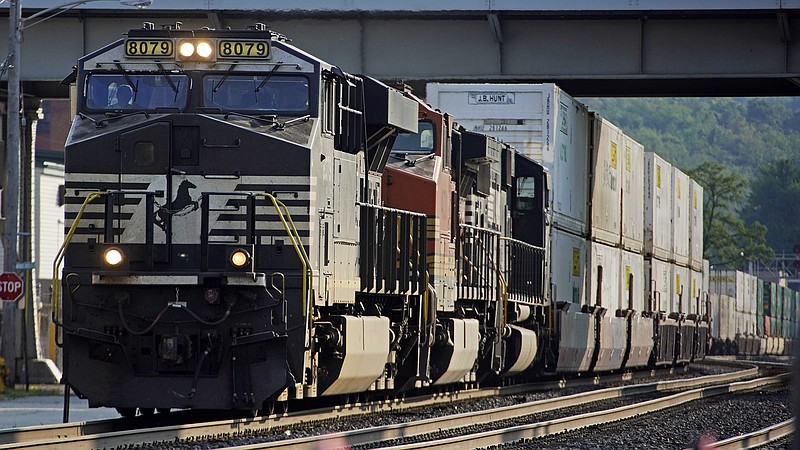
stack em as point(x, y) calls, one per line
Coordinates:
point(11, 286)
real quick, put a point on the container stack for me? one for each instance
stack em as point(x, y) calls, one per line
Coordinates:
point(658, 231)
point(596, 234)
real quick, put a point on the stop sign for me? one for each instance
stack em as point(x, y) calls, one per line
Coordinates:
point(10, 286)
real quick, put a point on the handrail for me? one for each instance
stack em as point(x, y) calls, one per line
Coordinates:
point(521, 243)
point(294, 236)
point(61, 251)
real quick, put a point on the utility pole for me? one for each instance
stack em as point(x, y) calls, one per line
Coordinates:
point(11, 188)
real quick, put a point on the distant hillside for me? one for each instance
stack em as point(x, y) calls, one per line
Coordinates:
point(741, 132)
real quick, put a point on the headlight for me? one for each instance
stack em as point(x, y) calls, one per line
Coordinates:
point(113, 257)
point(240, 258)
point(196, 50)
point(186, 49)
point(204, 49)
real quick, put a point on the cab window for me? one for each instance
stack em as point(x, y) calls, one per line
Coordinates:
point(422, 142)
point(117, 92)
point(526, 193)
point(272, 93)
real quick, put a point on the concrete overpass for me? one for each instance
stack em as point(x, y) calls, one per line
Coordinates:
point(609, 48)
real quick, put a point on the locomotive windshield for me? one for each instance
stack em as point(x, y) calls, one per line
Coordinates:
point(422, 142)
point(273, 93)
point(115, 92)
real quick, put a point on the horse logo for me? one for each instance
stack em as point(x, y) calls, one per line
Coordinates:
point(181, 205)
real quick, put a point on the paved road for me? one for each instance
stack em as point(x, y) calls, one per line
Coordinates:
point(40, 410)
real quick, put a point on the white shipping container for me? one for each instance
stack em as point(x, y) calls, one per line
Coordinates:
point(696, 297)
point(727, 317)
point(604, 277)
point(542, 122)
point(740, 322)
point(750, 325)
point(734, 320)
point(696, 227)
point(567, 266)
point(751, 284)
point(681, 215)
point(681, 290)
point(750, 302)
point(657, 207)
point(658, 287)
point(730, 283)
point(715, 314)
point(633, 195)
point(606, 193)
point(632, 281)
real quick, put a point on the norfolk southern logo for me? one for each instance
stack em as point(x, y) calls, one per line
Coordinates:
point(181, 205)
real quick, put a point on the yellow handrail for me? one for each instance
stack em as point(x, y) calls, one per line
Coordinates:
point(60, 255)
point(294, 236)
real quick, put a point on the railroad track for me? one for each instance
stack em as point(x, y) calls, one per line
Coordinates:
point(510, 434)
point(756, 438)
point(113, 433)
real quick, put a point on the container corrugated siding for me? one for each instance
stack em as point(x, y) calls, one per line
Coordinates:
point(696, 293)
point(657, 207)
point(681, 290)
point(542, 122)
point(607, 279)
point(713, 298)
point(658, 275)
point(696, 227)
point(728, 282)
point(633, 195)
point(606, 192)
point(681, 216)
point(727, 318)
point(568, 266)
point(632, 264)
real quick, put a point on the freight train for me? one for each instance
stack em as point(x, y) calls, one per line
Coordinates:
point(248, 224)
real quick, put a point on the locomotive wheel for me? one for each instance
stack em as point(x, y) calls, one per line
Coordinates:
point(163, 410)
point(127, 412)
point(147, 411)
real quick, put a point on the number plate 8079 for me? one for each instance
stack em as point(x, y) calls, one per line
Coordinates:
point(148, 48)
point(243, 49)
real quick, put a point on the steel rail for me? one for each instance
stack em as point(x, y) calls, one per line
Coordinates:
point(756, 438)
point(505, 435)
point(110, 433)
point(74, 429)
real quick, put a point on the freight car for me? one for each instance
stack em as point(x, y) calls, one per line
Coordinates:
point(248, 224)
point(751, 316)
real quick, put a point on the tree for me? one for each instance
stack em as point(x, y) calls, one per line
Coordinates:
point(726, 239)
point(774, 201)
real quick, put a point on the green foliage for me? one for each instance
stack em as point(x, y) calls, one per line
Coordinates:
point(757, 139)
point(741, 133)
point(726, 239)
point(775, 200)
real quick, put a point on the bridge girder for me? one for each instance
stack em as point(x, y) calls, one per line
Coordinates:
point(591, 53)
